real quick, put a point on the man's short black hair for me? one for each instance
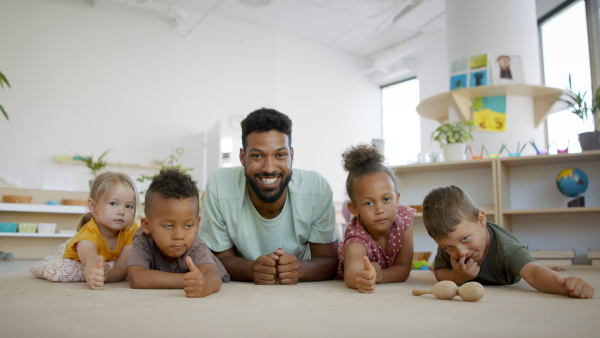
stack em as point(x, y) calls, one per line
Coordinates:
point(171, 183)
point(263, 120)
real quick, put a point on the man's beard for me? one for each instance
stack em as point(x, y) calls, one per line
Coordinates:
point(268, 195)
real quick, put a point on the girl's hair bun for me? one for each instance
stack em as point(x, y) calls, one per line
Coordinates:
point(361, 156)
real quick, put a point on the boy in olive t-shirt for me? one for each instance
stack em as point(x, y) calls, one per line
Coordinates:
point(470, 248)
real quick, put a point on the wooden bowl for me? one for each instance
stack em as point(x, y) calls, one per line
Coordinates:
point(17, 199)
point(74, 202)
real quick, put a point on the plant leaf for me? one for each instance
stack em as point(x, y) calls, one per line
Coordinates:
point(4, 113)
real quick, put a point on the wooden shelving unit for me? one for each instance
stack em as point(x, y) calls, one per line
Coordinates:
point(436, 107)
point(519, 194)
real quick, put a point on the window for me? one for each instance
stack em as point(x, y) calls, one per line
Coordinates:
point(401, 122)
point(562, 58)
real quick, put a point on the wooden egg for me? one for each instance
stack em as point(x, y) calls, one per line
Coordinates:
point(443, 290)
point(471, 291)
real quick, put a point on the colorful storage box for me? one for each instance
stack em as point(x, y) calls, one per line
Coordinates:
point(46, 228)
point(27, 227)
point(8, 227)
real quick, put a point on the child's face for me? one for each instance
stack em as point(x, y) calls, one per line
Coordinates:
point(469, 240)
point(375, 200)
point(173, 224)
point(116, 211)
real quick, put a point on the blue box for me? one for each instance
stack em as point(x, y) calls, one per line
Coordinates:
point(8, 227)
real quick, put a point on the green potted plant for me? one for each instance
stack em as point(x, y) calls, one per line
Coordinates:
point(576, 104)
point(96, 166)
point(3, 81)
point(453, 137)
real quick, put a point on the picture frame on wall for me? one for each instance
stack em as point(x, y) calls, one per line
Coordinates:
point(507, 69)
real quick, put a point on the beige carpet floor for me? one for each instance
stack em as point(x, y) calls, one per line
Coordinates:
point(31, 307)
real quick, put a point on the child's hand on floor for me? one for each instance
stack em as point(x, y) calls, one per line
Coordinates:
point(365, 278)
point(94, 274)
point(193, 280)
point(574, 287)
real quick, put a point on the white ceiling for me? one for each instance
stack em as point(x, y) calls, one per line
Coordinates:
point(381, 30)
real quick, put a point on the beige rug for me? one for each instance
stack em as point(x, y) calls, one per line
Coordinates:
point(31, 307)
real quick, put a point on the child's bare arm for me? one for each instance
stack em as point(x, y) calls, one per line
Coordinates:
point(356, 274)
point(400, 271)
point(93, 264)
point(119, 271)
point(546, 280)
point(142, 278)
point(202, 281)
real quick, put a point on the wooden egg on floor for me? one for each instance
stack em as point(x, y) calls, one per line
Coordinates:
point(443, 290)
point(471, 291)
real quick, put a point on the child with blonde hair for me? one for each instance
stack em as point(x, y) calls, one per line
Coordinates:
point(98, 252)
point(378, 244)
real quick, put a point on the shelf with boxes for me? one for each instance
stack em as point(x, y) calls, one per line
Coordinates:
point(519, 194)
point(49, 225)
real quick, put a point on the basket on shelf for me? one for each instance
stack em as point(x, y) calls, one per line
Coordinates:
point(74, 202)
point(8, 227)
point(27, 227)
point(47, 228)
point(17, 199)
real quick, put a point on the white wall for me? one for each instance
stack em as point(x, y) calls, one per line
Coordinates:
point(86, 79)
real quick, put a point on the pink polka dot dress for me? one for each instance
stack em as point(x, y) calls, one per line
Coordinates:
point(355, 232)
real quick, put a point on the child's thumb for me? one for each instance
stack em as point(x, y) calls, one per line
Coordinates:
point(367, 264)
point(190, 264)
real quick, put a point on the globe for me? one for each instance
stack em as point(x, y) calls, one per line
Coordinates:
point(572, 182)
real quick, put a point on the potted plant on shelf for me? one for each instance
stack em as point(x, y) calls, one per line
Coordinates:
point(97, 166)
point(576, 104)
point(453, 137)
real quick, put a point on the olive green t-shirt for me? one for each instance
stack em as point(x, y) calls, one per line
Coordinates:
point(505, 259)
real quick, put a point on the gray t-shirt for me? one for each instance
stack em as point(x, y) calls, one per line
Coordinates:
point(505, 259)
point(146, 253)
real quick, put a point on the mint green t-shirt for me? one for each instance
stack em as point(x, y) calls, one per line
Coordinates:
point(228, 217)
point(505, 259)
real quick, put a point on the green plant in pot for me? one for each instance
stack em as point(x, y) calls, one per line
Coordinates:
point(576, 104)
point(453, 137)
point(96, 166)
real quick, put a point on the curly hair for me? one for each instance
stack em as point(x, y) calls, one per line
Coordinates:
point(263, 120)
point(444, 208)
point(363, 159)
point(171, 183)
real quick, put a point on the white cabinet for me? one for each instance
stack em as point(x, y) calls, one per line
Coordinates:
point(520, 194)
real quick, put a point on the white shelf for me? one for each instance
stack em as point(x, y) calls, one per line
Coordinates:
point(436, 107)
point(25, 234)
point(114, 164)
point(574, 210)
point(43, 208)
